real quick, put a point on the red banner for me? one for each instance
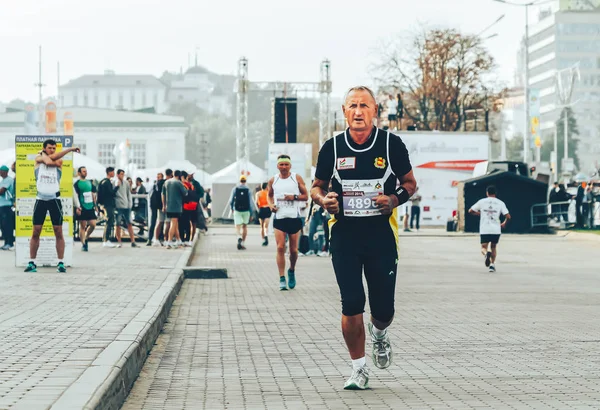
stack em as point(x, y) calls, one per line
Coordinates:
point(460, 165)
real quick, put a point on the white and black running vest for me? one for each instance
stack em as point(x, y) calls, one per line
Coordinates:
point(360, 175)
point(281, 188)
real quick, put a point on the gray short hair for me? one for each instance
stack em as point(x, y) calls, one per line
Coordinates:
point(360, 88)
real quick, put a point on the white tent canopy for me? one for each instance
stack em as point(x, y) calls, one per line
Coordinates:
point(95, 169)
point(201, 176)
point(230, 175)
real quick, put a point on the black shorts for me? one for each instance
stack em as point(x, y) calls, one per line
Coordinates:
point(86, 215)
point(355, 249)
point(53, 207)
point(174, 215)
point(264, 213)
point(392, 117)
point(290, 226)
point(490, 239)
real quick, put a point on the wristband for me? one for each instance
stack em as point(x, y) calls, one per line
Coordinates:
point(402, 195)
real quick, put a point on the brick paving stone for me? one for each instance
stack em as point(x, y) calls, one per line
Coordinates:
point(53, 326)
point(526, 337)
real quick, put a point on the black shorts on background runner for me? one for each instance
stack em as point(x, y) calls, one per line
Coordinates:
point(264, 213)
point(490, 239)
point(290, 226)
point(42, 208)
point(86, 215)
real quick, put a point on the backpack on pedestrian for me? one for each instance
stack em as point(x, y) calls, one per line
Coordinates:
point(242, 199)
point(101, 191)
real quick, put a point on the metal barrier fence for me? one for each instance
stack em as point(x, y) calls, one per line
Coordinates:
point(141, 226)
point(564, 214)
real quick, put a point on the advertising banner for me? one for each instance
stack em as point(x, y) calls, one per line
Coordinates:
point(50, 115)
point(27, 148)
point(534, 117)
point(440, 160)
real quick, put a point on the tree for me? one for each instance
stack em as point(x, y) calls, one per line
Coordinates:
point(514, 148)
point(573, 131)
point(440, 74)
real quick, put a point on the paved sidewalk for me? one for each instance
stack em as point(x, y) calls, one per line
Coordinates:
point(526, 337)
point(54, 327)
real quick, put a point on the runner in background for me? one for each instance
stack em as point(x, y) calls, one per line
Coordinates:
point(85, 207)
point(264, 212)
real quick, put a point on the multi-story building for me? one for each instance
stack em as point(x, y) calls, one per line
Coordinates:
point(153, 139)
point(211, 92)
point(115, 92)
point(569, 37)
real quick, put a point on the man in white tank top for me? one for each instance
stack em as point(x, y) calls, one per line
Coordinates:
point(286, 192)
point(48, 173)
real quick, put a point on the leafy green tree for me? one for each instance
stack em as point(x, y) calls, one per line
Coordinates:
point(548, 142)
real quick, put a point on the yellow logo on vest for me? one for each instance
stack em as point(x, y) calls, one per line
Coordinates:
point(380, 162)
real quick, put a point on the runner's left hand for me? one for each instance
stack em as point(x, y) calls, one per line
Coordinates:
point(385, 203)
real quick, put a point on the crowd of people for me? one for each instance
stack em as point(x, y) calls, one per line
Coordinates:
point(584, 199)
point(179, 207)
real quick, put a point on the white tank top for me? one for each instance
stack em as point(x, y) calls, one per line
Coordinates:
point(282, 187)
point(47, 181)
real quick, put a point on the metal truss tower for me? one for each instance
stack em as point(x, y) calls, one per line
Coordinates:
point(242, 148)
point(244, 86)
point(324, 103)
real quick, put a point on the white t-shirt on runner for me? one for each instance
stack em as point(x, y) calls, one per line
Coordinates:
point(392, 107)
point(490, 209)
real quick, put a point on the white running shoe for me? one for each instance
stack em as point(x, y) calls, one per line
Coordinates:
point(109, 244)
point(155, 243)
point(382, 349)
point(359, 379)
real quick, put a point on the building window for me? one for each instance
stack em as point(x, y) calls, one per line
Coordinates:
point(105, 154)
point(138, 155)
point(75, 101)
point(121, 99)
point(156, 101)
point(132, 101)
point(144, 100)
point(108, 100)
point(95, 99)
point(85, 99)
point(82, 147)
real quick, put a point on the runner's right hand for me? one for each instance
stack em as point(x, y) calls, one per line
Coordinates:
point(330, 203)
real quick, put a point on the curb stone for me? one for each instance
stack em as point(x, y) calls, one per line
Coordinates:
point(107, 382)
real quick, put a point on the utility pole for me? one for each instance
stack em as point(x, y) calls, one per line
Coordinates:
point(39, 85)
point(526, 87)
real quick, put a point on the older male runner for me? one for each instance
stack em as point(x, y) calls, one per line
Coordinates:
point(364, 165)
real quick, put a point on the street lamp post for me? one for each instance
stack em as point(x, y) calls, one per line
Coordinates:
point(526, 85)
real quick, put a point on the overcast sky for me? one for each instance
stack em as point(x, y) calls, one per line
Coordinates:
point(283, 39)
